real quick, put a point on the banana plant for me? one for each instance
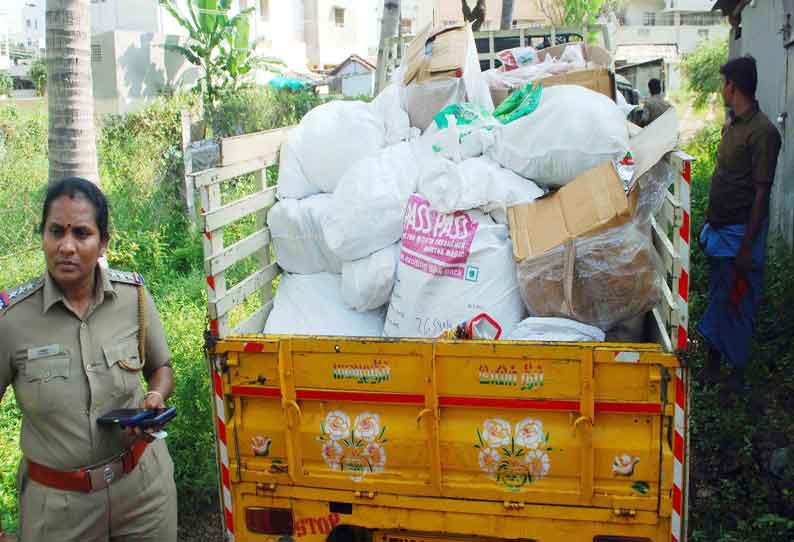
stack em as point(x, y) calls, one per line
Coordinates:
point(218, 44)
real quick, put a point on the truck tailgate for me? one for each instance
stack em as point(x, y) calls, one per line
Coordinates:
point(564, 424)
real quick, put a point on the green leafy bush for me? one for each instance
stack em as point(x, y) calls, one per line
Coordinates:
point(701, 69)
point(6, 84)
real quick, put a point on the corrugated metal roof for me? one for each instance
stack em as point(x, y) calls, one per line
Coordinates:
point(634, 54)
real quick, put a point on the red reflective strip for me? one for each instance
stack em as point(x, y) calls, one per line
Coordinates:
point(211, 281)
point(252, 391)
point(221, 431)
point(627, 408)
point(687, 173)
point(678, 446)
point(532, 404)
point(683, 336)
point(208, 235)
point(360, 397)
point(253, 348)
point(229, 521)
point(683, 285)
point(227, 483)
point(679, 392)
point(677, 499)
point(214, 328)
point(685, 228)
point(218, 385)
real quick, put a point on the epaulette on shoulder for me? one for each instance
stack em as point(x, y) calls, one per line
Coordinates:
point(9, 298)
point(125, 277)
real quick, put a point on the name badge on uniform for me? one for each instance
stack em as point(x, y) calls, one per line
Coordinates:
point(44, 351)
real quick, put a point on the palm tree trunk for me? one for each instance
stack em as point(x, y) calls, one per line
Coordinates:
point(389, 25)
point(72, 134)
point(507, 15)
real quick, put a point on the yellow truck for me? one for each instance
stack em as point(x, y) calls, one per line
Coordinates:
point(354, 439)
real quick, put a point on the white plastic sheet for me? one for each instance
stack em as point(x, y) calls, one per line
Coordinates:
point(554, 329)
point(312, 305)
point(297, 237)
point(332, 137)
point(572, 131)
point(368, 205)
point(367, 283)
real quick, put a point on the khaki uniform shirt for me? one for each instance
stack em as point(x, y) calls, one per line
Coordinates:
point(747, 157)
point(66, 370)
point(654, 107)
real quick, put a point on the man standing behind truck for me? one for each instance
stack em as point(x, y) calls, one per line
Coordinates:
point(737, 222)
point(655, 105)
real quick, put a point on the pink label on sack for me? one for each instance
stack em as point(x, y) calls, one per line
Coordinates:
point(439, 243)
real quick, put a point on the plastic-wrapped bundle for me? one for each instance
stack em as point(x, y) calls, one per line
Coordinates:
point(600, 280)
point(554, 329)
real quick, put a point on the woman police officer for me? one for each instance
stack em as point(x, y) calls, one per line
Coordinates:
point(73, 343)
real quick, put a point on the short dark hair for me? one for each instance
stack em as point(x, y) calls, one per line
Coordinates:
point(655, 86)
point(743, 73)
point(72, 186)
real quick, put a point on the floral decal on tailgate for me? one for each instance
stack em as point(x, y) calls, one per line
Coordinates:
point(357, 448)
point(513, 456)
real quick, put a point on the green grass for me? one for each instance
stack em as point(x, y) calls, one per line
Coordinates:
point(140, 166)
point(741, 491)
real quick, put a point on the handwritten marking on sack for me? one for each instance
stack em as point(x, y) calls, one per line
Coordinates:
point(437, 243)
point(526, 379)
point(376, 372)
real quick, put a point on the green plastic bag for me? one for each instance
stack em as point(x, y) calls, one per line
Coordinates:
point(464, 113)
point(520, 103)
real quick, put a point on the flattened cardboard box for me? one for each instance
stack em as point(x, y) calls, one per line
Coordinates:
point(594, 201)
point(437, 52)
point(598, 78)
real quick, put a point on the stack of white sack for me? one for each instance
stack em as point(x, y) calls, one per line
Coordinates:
point(313, 305)
point(572, 131)
point(297, 236)
point(452, 267)
point(367, 208)
point(555, 329)
point(367, 283)
point(332, 137)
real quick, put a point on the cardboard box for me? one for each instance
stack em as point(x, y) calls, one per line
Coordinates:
point(436, 53)
point(599, 78)
point(593, 202)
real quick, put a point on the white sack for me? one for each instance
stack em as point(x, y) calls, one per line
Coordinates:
point(367, 283)
point(368, 205)
point(554, 329)
point(452, 268)
point(312, 305)
point(477, 182)
point(334, 136)
point(387, 105)
point(297, 236)
point(572, 131)
point(292, 182)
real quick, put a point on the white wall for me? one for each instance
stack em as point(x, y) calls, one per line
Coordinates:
point(133, 69)
point(33, 35)
point(5, 61)
point(328, 43)
point(687, 37)
point(636, 9)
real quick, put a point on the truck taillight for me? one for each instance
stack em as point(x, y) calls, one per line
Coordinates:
point(269, 520)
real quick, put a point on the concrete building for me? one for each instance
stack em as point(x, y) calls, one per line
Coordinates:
point(765, 30)
point(33, 23)
point(353, 77)
point(525, 13)
point(5, 41)
point(646, 29)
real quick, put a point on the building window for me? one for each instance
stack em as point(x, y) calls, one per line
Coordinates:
point(264, 9)
point(406, 27)
point(27, 23)
point(649, 19)
point(96, 52)
point(339, 16)
point(36, 24)
point(703, 33)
